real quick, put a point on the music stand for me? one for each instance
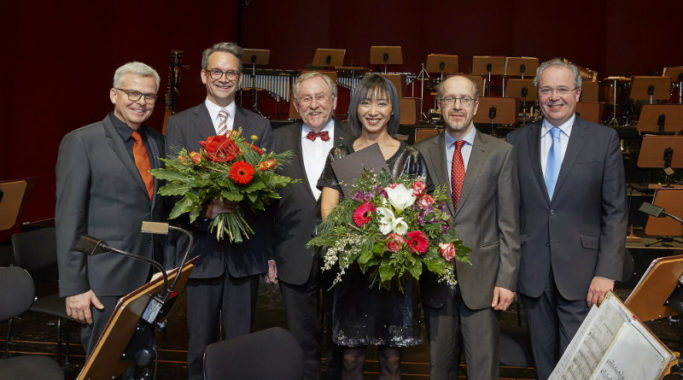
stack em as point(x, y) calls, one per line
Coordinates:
point(590, 92)
point(676, 75)
point(665, 229)
point(522, 89)
point(496, 111)
point(488, 65)
point(105, 361)
point(521, 66)
point(589, 111)
point(386, 55)
point(650, 88)
point(665, 119)
point(648, 300)
point(328, 57)
point(397, 81)
point(442, 63)
point(661, 152)
point(13, 195)
point(255, 57)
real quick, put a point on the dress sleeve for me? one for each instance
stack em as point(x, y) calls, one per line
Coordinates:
point(328, 178)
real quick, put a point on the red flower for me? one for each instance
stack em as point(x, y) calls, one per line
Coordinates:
point(268, 164)
point(196, 157)
point(447, 251)
point(393, 185)
point(363, 213)
point(418, 188)
point(255, 148)
point(241, 172)
point(425, 201)
point(417, 241)
point(394, 242)
point(220, 148)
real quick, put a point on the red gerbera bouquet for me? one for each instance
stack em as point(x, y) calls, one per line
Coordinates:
point(227, 168)
point(391, 227)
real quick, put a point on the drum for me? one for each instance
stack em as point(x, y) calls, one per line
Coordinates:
point(615, 90)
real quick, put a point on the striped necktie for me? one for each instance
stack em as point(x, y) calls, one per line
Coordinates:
point(223, 122)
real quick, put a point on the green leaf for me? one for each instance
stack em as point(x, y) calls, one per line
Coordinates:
point(182, 206)
point(365, 256)
point(169, 175)
point(231, 196)
point(174, 189)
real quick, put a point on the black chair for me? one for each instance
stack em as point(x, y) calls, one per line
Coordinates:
point(267, 354)
point(36, 251)
point(16, 296)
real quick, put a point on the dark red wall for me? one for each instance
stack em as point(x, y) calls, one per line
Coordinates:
point(58, 60)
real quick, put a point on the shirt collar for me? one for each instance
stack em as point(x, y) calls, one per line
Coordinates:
point(469, 137)
point(565, 127)
point(214, 109)
point(305, 129)
point(122, 128)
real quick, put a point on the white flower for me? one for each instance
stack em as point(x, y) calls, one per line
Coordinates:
point(400, 197)
point(388, 222)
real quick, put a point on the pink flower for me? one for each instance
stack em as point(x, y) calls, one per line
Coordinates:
point(447, 251)
point(425, 201)
point(394, 242)
point(418, 188)
point(417, 241)
point(363, 213)
point(393, 185)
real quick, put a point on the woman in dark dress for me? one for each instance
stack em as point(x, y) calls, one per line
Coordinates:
point(362, 315)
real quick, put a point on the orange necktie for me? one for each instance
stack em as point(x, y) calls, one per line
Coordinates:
point(142, 162)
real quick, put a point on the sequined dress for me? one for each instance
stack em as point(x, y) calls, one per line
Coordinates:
point(370, 316)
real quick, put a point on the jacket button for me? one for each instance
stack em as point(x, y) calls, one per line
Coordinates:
point(547, 244)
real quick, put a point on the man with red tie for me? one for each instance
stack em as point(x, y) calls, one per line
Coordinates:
point(481, 174)
point(104, 189)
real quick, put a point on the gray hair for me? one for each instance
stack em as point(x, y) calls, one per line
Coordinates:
point(137, 68)
point(227, 47)
point(369, 87)
point(310, 75)
point(439, 88)
point(562, 63)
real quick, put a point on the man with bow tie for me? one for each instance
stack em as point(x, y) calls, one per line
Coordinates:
point(298, 212)
point(224, 281)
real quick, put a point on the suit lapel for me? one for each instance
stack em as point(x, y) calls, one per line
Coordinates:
point(300, 167)
point(574, 147)
point(477, 158)
point(437, 158)
point(534, 145)
point(117, 146)
point(203, 123)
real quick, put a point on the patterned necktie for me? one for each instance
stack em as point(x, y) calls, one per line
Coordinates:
point(223, 122)
point(457, 173)
point(554, 162)
point(142, 162)
point(323, 135)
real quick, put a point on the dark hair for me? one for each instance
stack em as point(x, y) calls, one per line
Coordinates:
point(226, 47)
point(369, 87)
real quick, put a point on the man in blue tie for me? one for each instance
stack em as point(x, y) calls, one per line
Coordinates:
point(573, 214)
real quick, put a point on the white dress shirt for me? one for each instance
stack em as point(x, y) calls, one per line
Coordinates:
point(315, 154)
point(214, 109)
point(547, 139)
point(466, 150)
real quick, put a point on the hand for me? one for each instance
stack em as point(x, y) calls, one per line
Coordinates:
point(598, 290)
point(217, 207)
point(502, 298)
point(78, 306)
point(271, 276)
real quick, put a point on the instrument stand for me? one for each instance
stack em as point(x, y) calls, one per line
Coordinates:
point(613, 122)
point(255, 57)
point(386, 55)
point(421, 76)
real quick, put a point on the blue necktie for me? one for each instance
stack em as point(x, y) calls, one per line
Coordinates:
point(554, 161)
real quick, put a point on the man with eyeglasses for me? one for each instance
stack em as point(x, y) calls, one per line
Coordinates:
point(481, 175)
point(298, 213)
point(573, 214)
point(223, 285)
point(104, 189)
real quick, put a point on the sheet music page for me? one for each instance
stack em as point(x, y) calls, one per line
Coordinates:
point(632, 356)
point(590, 347)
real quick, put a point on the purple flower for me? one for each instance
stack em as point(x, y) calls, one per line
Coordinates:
point(445, 227)
point(358, 197)
point(421, 218)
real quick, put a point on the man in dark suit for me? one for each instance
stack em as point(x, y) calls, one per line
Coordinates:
point(573, 214)
point(298, 212)
point(104, 190)
point(224, 282)
point(481, 174)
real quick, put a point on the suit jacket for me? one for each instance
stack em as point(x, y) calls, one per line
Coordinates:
point(581, 232)
point(487, 219)
point(100, 193)
point(185, 130)
point(298, 212)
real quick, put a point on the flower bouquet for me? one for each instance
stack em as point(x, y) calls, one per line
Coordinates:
point(227, 168)
point(391, 227)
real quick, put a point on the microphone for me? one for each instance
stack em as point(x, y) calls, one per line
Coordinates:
point(650, 90)
point(328, 59)
point(657, 212)
point(386, 57)
point(488, 67)
point(442, 65)
point(522, 68)
point(492, 113)
point(525, 92)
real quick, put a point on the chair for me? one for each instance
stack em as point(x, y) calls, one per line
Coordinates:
point(37, 251)
point(267, 354)
point(16, 296)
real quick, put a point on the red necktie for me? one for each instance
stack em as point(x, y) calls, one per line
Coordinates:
point(323, 135)
point(142, 162)
point(457, 173)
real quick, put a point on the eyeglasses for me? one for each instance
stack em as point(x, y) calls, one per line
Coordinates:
point(306, 100)
point(547, 91)
point(217, 74)
point(450, 101)
point(134, 96)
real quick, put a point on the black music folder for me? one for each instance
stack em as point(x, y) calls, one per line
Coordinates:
point(349, 169)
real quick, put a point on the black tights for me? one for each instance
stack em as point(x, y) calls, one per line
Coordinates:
point(389, 363)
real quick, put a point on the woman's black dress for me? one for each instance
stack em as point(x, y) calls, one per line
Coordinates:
point(370, 316)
